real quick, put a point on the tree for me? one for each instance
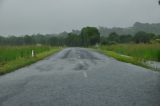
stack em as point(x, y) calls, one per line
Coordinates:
point(104, 40)
point(2, 40)
point(158, 36)
point(151, 36)
point(90, 36)
point(28, 40)
point(113, 37)
point(141, 37)
point(53, 41)
point(73, 40)
point(125, 38)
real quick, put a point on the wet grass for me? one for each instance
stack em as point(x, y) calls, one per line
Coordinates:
point(123, 58)
point(133, 53)
point(14, 57)
point(139, 51)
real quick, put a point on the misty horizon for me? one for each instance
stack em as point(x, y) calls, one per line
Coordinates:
point(20, 17)
point(72, 30)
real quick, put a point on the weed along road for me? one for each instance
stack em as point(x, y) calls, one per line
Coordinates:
point(80, 77)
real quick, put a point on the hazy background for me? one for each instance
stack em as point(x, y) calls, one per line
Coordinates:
point(53, 16)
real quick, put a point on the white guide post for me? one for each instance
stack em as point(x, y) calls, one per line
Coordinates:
point(32, 53)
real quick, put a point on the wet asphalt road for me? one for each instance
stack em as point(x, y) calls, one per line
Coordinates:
point(80, 77)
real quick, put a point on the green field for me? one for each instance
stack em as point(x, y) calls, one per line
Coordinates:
point(138, 51)
point(14, 57)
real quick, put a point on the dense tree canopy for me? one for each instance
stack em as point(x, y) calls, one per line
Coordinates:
point(73, 40)
point(113, 37)
point(141, 37)
point(90, 36)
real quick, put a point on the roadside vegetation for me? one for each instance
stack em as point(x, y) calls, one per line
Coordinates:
point(16, 52)
point(137, 54)
point(14, 57)
point(135, 48)
point(138, 51)
point(123, 58)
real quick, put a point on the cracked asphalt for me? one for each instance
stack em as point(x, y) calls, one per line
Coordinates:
point(80, 77)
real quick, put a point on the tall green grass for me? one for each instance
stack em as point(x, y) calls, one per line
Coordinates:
point(139, 51)
point(14, 57)
point(9, 53)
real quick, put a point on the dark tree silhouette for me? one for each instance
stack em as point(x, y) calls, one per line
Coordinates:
point(159, 2)
point(90, 36)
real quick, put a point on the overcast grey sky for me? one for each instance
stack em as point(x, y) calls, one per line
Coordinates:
point(54, 16)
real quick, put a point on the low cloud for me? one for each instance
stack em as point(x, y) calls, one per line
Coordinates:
point(54, 16)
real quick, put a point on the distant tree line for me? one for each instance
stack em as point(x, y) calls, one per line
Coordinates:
point(88, 36)
point(145, 27)
point(139, 37)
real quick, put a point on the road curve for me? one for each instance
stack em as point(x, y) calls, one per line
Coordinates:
point(80, 77)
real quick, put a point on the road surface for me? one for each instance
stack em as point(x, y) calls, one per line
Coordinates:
point(80, 77)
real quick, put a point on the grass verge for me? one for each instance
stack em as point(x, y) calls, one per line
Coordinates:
point(21, 62)
point(127, 59)
point(142, 51)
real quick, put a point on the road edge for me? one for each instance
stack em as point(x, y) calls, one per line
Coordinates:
point(126, 59)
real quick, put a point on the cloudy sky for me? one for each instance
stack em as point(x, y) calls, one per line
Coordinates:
point(53, 16)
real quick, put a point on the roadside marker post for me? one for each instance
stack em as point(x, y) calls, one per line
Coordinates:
point(33, 54)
